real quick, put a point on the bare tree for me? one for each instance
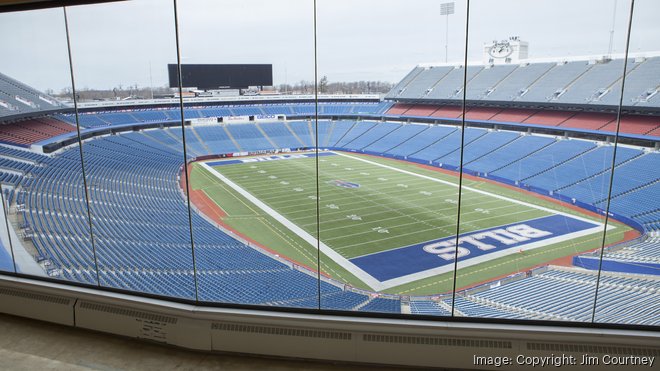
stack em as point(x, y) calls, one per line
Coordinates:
point(323, 85)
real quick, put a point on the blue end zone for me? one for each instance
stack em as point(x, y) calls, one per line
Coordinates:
point(269, 158)
point(407, 260)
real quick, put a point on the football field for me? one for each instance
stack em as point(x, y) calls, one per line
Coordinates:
point(388, 225)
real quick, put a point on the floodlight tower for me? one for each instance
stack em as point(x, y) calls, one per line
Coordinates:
point(611, 45)
point(446, 9)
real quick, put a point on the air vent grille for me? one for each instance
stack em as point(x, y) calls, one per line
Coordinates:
point(438, 341)
point(34, 296)
point(596, 349)
point(283, 331)
point(128, 312)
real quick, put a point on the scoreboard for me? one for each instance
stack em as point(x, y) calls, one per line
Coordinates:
point(218, 76)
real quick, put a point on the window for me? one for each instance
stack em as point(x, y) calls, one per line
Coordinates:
point(467, 162)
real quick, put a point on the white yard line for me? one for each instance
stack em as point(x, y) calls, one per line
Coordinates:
point(433, 228)
point(373, 282)
point(487, 257)
point(474, 190)
point(345, 263)
point(439, 212)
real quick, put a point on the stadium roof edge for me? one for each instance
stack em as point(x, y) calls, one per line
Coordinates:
point(586, 58)
point(32, 114)
point(242, 99)
point(236, 100)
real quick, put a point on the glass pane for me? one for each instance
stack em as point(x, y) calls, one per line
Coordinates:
point(139, 211)
point(537, 158)
point(6, 250)
point(252, 175)
point(627, 289)
point(41, 170)
point(387, 208)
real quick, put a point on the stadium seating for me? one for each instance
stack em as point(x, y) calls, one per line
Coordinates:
point(637, 124)
point(478, 148)
point(566, 294)
point(306, 132)
point(421, 141)
point(280, 135)
point(30, 131)
point(214, 112)
point(86, 120)
point(545, 159)
point(605, 122)
point(394, 138)
point(117, 118)
point(569, 294)
point(636, 202)
point(423, 83)
point(376, 133)
point(140, 227)
point(355, 131)
point(509, 152)
point(383, 305)
point(549, 118)
point(647, 251)
point(588, 164)
point(637, 90)
point(418, 110)
point(400, 87)
point(137, 250)
point(451, 86)
point(250, 137)
point(428, 307)
point(217, 141)
point(448, 112)
point(134, 233)
point(481, 113)
point(484, 83)
point(582, 82)
point(447, 144)
point(17, 98)
point(517, 82)
point(590, 121)
point(400, 109)
point(595, 188)
point(150, 115)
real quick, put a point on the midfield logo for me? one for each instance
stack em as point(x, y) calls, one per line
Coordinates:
point(344, 184)
point(273, 158)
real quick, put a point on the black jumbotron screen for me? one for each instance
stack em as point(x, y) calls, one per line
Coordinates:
point(213, 76)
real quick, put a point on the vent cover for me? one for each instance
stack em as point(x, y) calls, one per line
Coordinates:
point(587, 348)
point(283, 331)
point(128, 312)
point(438, 341)
point(35, 296)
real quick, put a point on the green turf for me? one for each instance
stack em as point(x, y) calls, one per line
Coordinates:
point(250, 221)
point(390, 209)
point(394, 209)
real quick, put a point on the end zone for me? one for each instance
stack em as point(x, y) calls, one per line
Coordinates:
point(398, 266)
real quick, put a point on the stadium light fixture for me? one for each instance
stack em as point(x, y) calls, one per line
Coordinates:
point(611, 44)
point(447, 9)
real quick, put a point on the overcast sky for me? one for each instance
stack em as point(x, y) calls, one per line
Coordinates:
point(132, 42)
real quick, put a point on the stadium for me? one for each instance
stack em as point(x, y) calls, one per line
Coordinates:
point(388, 180)
point(512, 189)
